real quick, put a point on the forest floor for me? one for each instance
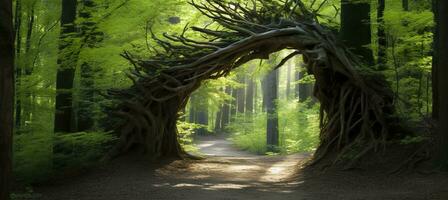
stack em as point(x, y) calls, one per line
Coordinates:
point(231, 174)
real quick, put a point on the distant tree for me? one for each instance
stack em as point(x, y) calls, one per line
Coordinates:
point(355, 28)
point(271, 92)
point(6, 96)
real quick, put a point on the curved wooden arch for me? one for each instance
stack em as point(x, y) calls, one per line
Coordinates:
point(356, 103)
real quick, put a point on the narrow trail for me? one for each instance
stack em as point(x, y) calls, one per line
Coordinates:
point(231, 174)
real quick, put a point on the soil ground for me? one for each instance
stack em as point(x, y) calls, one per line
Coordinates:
point(231, 174)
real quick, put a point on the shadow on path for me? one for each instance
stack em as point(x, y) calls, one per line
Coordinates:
point(231, 174)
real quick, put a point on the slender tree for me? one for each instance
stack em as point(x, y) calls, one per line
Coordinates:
point(355, 28)
point(440, 72)
point(6, 95)
point(67, 61)
point(271, 91)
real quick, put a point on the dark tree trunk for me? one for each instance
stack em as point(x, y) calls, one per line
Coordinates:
point(435, 59)
point(441, 67)
point(250, 89)
point(271, 109)
point(356, 30)
point(382, 39)
point(67, 60)
point(405, 5)
point(6, 96)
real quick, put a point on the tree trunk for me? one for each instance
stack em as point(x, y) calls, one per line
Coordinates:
point(355, 29)
point(67, 60)
point(441, 67)
point(6, 96)
point(405, 4)
point(382, 39)
point(271, 109)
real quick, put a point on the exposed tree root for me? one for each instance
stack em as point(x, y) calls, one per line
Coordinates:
point(356, 104)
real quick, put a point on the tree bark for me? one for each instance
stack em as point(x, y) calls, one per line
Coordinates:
point(271, 111)
point(356, 30)
point(382, 39)
point(67, 61)
point(441, 72)
point(6, 96)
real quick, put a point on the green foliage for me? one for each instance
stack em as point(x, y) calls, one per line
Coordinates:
point(185, 132)
point(298, 129)
point(80, 149)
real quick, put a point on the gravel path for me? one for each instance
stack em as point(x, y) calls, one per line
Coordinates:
point(230, 174)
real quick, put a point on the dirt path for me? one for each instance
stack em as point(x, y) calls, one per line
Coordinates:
point(230, 174)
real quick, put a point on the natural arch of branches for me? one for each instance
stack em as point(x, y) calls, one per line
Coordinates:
point(356, 103)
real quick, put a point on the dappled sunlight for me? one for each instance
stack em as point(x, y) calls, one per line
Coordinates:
point(282, 169)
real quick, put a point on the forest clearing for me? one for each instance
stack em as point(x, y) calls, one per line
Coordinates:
point(223, 99)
